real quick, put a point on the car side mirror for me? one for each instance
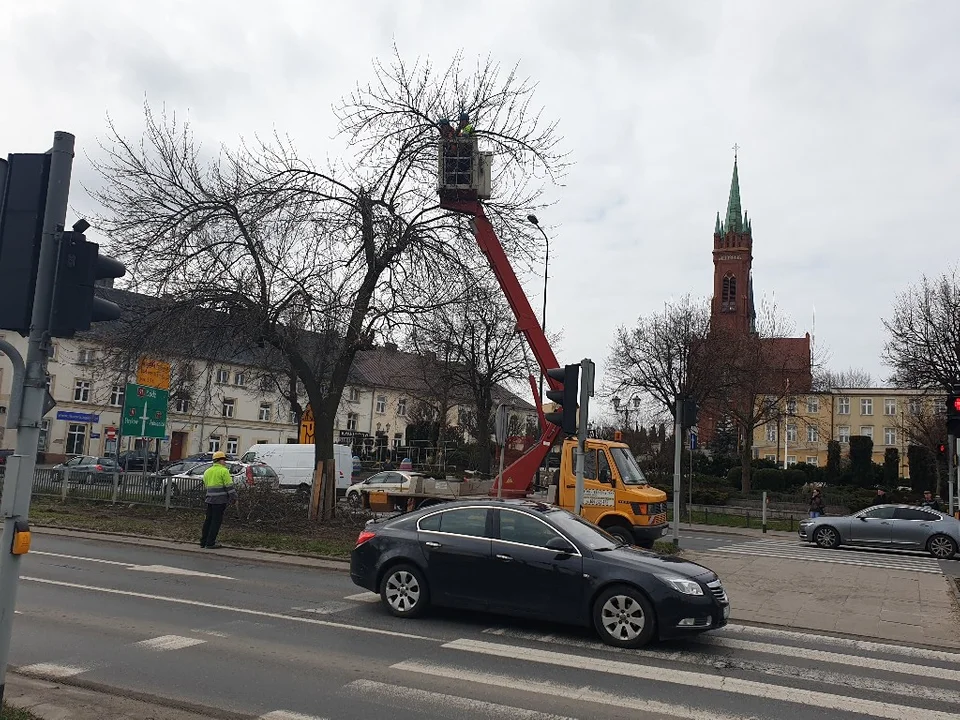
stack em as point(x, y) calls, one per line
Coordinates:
point(606, 477)
point(863, 518)
point(560, 545)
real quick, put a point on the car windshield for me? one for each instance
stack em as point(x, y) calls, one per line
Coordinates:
point(585, 533)
point(630, 472)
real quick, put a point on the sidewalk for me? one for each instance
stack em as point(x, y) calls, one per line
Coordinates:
point(55, 701)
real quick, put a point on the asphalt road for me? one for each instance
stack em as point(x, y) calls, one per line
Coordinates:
point(282, 643)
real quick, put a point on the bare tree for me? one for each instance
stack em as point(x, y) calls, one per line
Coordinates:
point(311, 261)
point(850, 378)
point(923, 343)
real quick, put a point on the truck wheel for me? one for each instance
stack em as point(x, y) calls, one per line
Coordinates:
point(624, 617)
point(354, 500)
point(621, 533)
point(404, 591)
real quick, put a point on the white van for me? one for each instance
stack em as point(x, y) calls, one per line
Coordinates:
point(294, 463)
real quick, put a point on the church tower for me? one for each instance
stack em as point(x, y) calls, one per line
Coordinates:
point(732, 308)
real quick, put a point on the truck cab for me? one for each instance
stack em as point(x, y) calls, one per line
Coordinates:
point(616, 495)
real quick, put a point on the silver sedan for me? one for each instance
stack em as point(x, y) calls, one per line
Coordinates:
point(902, 527)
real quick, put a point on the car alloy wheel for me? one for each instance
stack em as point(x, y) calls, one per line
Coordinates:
point(623, 617)
point(403, 591)
point(942, 547)
point(826, 537)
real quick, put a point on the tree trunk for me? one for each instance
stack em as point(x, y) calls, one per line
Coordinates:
point(323, 493)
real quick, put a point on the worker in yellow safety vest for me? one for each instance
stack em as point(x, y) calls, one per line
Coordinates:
point(220, 492)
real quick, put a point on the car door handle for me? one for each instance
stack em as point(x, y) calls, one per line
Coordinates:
point(431, 543)
point(505, 558)
point(884, 523)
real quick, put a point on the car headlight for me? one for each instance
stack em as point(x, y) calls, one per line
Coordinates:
point(682, 585)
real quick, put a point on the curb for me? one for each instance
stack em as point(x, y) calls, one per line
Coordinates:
point(238, 553)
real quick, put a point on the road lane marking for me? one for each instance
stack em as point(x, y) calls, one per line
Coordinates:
point(417, 699)
point(230, 609)
point(327, 608)
point(287, 715)
point(720, 662)
point(52, 670)
point(584, 694)
point(802, 696)
point(215, 633)
point(369, 597)
point(169, 642)
point(865, 646)
point(157, 569)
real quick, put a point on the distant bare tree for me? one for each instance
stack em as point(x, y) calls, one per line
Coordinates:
point(923, 334)
point(312, 261)
point(850, 378)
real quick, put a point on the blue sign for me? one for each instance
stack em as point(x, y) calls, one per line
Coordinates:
point(693, 441)
point(94, 436)
point(78, 417)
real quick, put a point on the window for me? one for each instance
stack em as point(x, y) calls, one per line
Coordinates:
point(81, 391)
point(813, 434)
point(381, 404)
point(771, 432)
point(867, 431)
point(53, 352)
point(525, 529)
point(239, 379)
point(354, 395)
point(116, 396)
point(915, 407)
point(843, 433)
point(812, 460)
point(890, 406)
point(791, 460)
point(465, 521)
point(791, 406)
point(352, 420)
point(182, 405)
point(44, 435)
point(402, 407)
point(728, 294)
point(397, 440)
point(878, 513)
point(223, 376)
point(229, 406)
point(76, 439)
point(213, 443)
point(85, 356)
point(813, 405)
point(866, 406)
point(915, 514)
point(889, 436)
point(843, 406)
point(233, 445)
point(770, 456)
point(756, 453)
point(791, 433)
point(266, 412)
point(51, 382)
point(293, 417)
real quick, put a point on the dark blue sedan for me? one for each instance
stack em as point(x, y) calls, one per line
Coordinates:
point(530, 559)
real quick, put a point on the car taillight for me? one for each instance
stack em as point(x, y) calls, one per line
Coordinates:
point(364, 536)
point(249, 476)
point(99, 468)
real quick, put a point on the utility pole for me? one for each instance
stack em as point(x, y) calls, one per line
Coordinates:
point(15, 503)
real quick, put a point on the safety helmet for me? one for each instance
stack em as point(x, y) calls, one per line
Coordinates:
point(219, 455)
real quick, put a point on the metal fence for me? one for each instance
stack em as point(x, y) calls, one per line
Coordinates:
point(131, 488)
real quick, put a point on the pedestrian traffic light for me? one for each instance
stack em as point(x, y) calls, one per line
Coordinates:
point(23, 199)
point(688, 413)
point(953, 411)
point(566, 397)
point(79, 266)
point(942, 449)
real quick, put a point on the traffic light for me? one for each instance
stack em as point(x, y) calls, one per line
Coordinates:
point(79, 266)
point(688, 413)
point(23, 199)
point(953, 411)
point(569, 375)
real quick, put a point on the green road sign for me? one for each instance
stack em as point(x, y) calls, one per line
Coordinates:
point(144, 412)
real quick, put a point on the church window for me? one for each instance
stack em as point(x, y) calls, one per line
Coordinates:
point(728, 295)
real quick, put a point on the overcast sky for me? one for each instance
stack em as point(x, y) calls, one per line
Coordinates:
point(847, 115)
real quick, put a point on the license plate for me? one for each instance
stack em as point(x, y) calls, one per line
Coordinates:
point(726, 612)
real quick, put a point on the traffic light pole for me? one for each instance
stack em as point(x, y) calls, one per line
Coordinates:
point(15, 503)
point(677, 450)
point(951, 444)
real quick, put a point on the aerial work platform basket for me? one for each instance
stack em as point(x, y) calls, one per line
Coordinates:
point(464, 172)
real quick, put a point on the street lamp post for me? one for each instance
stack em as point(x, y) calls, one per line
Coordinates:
point(543, 318)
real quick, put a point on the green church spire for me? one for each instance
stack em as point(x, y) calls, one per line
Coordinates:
point(734, 220)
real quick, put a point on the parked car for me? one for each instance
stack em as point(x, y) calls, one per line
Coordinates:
point(386, 480)
point(903, 527)
point(531, 559)
point(207, 457)
point(87, 469)
point(190, 481)
point(295, 463)
point(156, 480)
point(137, 461)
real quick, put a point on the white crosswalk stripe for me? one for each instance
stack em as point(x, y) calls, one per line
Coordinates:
point(842, 556)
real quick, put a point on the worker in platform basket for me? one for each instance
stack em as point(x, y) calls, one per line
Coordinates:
point(450, 149)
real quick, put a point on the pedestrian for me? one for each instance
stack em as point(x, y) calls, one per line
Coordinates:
point(929, 501)
point(881, 498)
point(816, 504)
point(220, 492)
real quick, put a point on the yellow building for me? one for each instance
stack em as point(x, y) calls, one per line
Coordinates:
point(802, 426)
